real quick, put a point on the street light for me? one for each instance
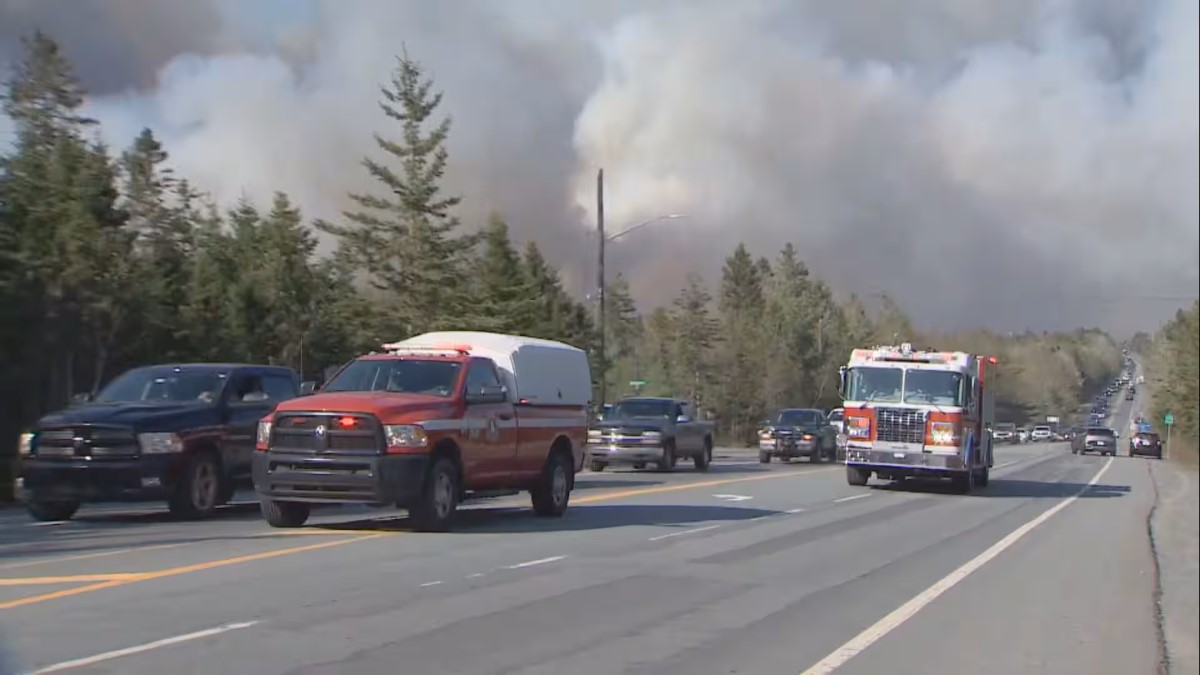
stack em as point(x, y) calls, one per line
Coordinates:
point(601, 282)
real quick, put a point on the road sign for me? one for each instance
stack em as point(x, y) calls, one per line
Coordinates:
point(1169, 419)
point(637, 383)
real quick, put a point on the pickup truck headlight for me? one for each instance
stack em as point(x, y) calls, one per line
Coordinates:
point(25, 445)
point(263, 437)
point(593, 434)
point(651, 437)
point(160, 443)
point(404, 436)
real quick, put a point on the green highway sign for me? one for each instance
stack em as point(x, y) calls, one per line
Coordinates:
point(637, 383)
point(1169, 419)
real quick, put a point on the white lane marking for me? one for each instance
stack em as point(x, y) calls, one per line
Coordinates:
point(475, 576)
point(758, 518)
point(850, 498)
point(681, 533)
point(892, 621)
point(796, 511)
point(540, 561)
point(1001, 466)
point(149, 646)
point(430, 583)
point(734, 498)
point(47, 523)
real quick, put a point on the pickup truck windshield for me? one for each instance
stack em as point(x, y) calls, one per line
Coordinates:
point(1006, 426)
point(895, 385)
point(641, 409)
point(1099, 431)
point(159, 384)
point(408, 376)
point(798, 418)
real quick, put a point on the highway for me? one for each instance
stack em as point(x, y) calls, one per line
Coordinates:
point(746, 569)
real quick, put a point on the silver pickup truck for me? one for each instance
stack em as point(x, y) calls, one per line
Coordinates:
point(646, 430)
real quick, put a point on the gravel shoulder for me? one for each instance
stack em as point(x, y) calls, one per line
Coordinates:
point(1175, 531)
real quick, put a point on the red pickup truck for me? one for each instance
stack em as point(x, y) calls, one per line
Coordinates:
point(428, 422)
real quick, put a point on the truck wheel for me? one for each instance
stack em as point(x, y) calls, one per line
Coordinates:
point(199, 489)
point(764, 457)
point(52, 511)
point(434, 508)
point(553, 490)
point(964, 482)
point(816, 456)
point(856, 476)
point(705, 457)
point(597, 466)
point(984, 477)
point(667, 462)
point(284, 514)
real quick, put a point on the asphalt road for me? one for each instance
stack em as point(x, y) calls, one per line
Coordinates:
point(745, 569)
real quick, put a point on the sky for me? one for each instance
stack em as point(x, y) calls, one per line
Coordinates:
point(1011, 164)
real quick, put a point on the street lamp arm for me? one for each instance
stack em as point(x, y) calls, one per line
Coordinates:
point(644, 223)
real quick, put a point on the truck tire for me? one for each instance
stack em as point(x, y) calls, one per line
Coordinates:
point(963, 483)
point(984, 477)
point(48, 512)
point(551, 494)
point(597, 466)
point(703, 459)
point(856, 476)
point(667, 463)
point(284, 514)
point(764, 457)
point(434, 509)
point(199, 489)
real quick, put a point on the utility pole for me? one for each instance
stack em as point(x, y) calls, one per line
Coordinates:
point(601, 239)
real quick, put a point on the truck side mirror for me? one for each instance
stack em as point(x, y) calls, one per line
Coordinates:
point(683, 419)
point(307, 387)
point(488, 393)
point(842, 381)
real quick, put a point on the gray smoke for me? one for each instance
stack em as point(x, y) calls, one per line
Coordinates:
point(1008, 163)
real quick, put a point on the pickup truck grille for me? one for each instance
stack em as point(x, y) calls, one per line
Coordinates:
point(90, 441)
point(900, 425)
point(320, 433)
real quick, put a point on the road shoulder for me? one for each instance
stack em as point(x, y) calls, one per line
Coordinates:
point(1175, 531)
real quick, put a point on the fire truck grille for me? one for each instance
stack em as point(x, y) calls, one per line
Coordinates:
point(900, 425)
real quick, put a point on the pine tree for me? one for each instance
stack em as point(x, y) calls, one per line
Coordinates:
point(405, 240)
point(624, 339)
point(503, 290)
point(697, 332)
point(742, 365)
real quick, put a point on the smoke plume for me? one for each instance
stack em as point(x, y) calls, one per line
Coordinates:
point(1010, 164)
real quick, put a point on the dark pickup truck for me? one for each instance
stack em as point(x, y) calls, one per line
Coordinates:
point(180, 433)
point(798, 432)
point(643, 430)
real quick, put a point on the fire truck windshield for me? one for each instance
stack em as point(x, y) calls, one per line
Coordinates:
point(875, 384)
point(410, 376)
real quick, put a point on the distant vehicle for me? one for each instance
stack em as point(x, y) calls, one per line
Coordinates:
point(1006, 432)
point(1145, 444)
point(1041, 434)
point(837, 419)
point(1023, 434)
point(798, 432)
point(428, 422)
point(916, 413)
point(1095, 439)
point(646, 430)
point(183, 433)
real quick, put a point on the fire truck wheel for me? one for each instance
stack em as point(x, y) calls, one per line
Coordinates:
point(857, 476)
point(963, 482)
point(984, 477)
point(764, 457)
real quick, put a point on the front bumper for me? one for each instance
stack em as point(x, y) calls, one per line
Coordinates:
point(624, 453)
point(913, 461)
point(787, 447)
point(146, 478)
point(378, 480)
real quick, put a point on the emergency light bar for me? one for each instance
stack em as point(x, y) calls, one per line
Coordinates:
point(448, 350)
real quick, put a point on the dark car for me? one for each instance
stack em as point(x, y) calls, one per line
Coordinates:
point(180, 433)
point(1095, 439)
point(798, 432)
point(1145, 444)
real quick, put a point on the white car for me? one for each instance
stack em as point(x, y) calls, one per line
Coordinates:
point(1041, 434)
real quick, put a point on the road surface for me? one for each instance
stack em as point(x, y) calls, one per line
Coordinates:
point(746, 569)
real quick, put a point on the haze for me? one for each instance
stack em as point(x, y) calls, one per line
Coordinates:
point(1011, 164)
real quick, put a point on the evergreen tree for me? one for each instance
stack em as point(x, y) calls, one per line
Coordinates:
point(697, 332)
point(503, 290)
point(741, 308)
point(405, 240)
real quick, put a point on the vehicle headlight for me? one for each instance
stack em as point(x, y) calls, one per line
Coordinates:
point(858, 427)
point(263, 436)
point(26, 444)
point(943, 433)
point(160, 443)
point(404, 436)
point(651, 437)
point(593, 434)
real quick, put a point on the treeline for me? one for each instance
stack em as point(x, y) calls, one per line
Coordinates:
point(108, 260)
point(1172, 364)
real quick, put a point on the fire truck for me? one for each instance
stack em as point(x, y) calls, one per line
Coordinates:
point(912, 413)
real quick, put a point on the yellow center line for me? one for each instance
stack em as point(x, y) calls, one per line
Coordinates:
point(114, 580)
point(75, 578)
